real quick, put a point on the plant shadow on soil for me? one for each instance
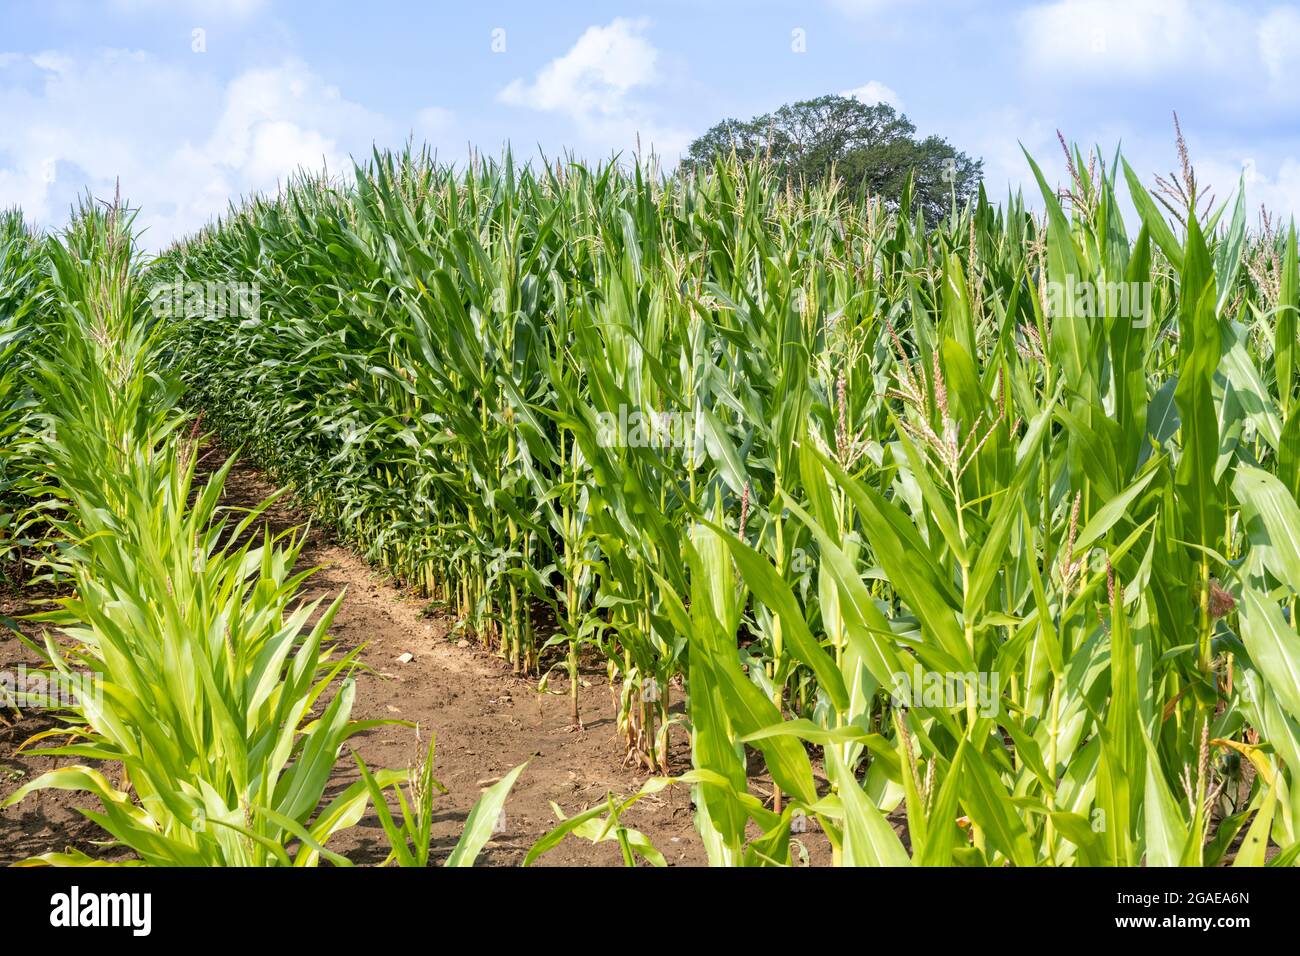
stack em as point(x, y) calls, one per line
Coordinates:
point(485, 720)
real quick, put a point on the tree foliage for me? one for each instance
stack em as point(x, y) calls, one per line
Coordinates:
point(868, 147)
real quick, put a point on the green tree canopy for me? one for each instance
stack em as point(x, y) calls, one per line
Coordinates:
point(871, 147)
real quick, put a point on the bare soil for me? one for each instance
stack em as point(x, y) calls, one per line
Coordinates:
point(485, 721)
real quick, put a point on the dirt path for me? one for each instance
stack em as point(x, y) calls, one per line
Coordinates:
point(485, 720)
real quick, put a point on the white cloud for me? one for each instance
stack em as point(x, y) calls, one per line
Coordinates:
point(1271, 172)
point(1116, 39)
point(276, 118)
point(1243, 57)
point(874, 92)
point(995, 136)
point(1271, 182)
point(53, 62)
point(78, 124)
point(434, 123)
point(591, 84)
point(594, 76)
point(1279, 192)
point(1279, 47)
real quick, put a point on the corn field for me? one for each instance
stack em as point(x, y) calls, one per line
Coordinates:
point(985, 529)
point(211, 685)
point(23, 288)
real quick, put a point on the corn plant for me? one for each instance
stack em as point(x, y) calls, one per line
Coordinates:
point(591, 826)
point(204, 678)
point(410, 836)
point(23, 289)
point(1043, 460)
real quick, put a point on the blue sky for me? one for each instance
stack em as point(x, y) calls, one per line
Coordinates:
point(195, 102)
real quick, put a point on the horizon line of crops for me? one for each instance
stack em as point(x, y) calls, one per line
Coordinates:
point(901, 454)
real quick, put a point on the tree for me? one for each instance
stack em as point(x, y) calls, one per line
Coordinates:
point(870, 147)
